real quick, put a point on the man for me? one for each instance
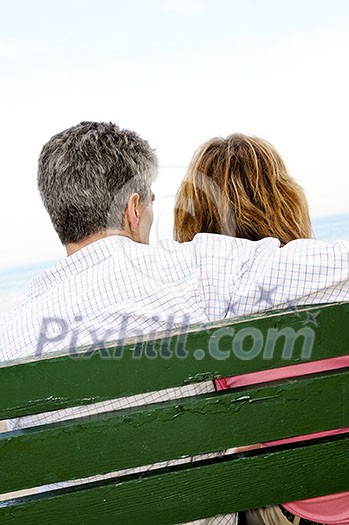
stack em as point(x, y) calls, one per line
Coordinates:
point(95, 181)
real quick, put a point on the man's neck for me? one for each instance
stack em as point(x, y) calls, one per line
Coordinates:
point(76, 246)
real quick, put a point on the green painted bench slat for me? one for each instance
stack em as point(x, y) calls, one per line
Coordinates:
point(183, 494)
point(186, 427)
point(61, 382)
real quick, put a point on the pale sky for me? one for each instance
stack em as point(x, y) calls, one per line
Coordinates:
point(178, 72)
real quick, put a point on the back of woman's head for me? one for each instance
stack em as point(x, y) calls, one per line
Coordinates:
point(240, 186)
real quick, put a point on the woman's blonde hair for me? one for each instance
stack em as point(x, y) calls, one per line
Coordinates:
point(240, 186)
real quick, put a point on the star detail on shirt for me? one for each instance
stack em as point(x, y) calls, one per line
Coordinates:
point(230, 308)
point(291, 307)
point(265, 296)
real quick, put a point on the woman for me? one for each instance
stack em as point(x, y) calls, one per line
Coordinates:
point(240, 186)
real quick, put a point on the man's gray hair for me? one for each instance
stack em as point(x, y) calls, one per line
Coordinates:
point(87, 174)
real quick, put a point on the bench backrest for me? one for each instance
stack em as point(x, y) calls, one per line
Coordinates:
point(180, 428)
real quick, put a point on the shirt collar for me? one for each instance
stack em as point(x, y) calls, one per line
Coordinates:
point(84, 258)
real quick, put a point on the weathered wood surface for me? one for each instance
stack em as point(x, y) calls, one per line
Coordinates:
point(174, 429)
point(183, 427)
point(61, 382)
point(183, 494)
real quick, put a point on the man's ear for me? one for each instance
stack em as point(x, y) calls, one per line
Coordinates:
point(132, 212)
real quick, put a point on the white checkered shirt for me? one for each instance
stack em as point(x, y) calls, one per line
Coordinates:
point(116, 288)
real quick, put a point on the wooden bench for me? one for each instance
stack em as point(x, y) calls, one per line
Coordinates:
point(182, 427)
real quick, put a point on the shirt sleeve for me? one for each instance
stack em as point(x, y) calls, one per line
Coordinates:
point(305, 271)
point(238, 276)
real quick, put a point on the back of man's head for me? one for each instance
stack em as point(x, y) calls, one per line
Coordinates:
point(86, 175)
